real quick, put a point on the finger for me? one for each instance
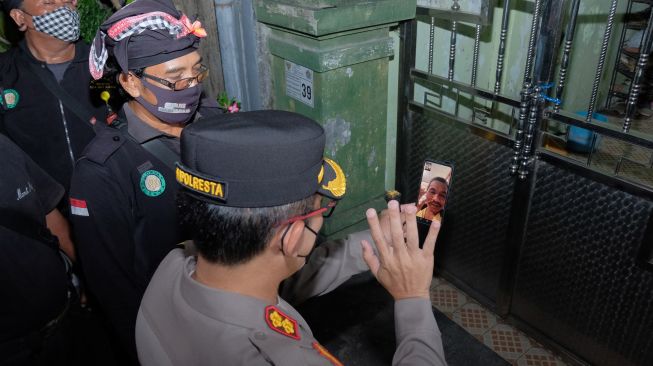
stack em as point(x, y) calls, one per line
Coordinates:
point(403, 210)
point(384, 220)
point(412, 238)
point(370, 258)
point(377, 234)
point(431, 237)
point(398, 241)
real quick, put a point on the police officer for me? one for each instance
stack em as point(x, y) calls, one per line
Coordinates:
point(122, 191)
point(48, 62)
point(34, 279)
point(255, 188)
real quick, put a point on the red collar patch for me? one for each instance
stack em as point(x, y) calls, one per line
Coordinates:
point(326, 354)
point(281, 323)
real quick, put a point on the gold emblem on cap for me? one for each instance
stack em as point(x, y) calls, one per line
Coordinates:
point(321, 174)
point(338, 185)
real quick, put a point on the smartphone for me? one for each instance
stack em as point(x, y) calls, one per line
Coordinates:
point(433, 191)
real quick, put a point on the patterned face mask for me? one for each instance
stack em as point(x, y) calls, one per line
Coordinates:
point(62, 23)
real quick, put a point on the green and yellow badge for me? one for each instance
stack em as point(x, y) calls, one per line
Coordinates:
point(9, 98)
point(152, 183)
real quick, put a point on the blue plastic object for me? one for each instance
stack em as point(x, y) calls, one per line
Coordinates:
point(580, 139)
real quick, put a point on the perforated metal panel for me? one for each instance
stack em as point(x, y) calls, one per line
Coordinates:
point(578, 280)
point(471, 246)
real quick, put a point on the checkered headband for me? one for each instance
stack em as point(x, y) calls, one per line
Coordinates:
point(157, 37)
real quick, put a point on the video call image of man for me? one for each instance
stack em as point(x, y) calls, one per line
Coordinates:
point(122, 196)
point(255, 190)
point(434, 199)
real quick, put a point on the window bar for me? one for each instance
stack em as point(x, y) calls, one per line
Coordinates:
point(636, 83)
point(502, 46)
point(615, 72)
point(599, 67)
point(477, 42)
point(528, 70)
point(431, 44)
point(529, 135)
point(571, 29)
point(526, 93)
point(590, 155)
point(452, 44)
point(452, 50)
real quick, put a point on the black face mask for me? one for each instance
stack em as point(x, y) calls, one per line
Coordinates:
point(174, 107)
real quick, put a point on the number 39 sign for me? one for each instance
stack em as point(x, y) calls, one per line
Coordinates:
point(299, 83)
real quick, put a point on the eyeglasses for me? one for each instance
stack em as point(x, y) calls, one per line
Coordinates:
point(182, 83)
point(325, 211)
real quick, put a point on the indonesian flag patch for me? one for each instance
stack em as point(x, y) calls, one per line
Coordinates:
point(78, 207)
point(281, 323)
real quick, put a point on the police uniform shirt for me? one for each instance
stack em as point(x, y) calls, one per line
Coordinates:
point(33, 280)
point(182, 322)
point(42, 126)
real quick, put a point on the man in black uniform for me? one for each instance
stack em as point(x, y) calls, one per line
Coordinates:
point(34, 282)
point(123, 189)
point(49, 60)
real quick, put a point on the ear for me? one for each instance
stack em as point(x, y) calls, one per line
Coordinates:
point(19, 18)
point(292, 241)
point(130, 83)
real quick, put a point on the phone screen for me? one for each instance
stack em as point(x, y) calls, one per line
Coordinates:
point(433, 191)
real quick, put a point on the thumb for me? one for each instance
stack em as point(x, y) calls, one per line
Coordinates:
point(370, 258)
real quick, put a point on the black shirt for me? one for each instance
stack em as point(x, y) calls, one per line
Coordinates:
point(124, 216)
point(42, 126)
point(33, 279)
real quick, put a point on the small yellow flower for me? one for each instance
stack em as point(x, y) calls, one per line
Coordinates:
point(288, 326)
point(276, 319)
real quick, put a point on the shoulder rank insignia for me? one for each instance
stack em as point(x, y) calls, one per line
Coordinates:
point(326, 354)
point(281, 323)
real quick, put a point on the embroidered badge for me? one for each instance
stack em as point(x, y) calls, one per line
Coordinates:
point(281, 323)
point(78, 207)
point(326, 354)
point(152, 183)
point(10, 98)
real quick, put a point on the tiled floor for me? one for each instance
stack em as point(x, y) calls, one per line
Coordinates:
point(511, 344)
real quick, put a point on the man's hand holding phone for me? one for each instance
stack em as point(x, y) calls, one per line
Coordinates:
point(403, 268)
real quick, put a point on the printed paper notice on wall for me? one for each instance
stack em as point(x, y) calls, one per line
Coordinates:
point(299, 83)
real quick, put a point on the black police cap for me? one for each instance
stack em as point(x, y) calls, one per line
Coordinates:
point(257, 159)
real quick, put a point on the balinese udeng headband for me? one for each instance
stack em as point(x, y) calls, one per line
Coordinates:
point(123, 29)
